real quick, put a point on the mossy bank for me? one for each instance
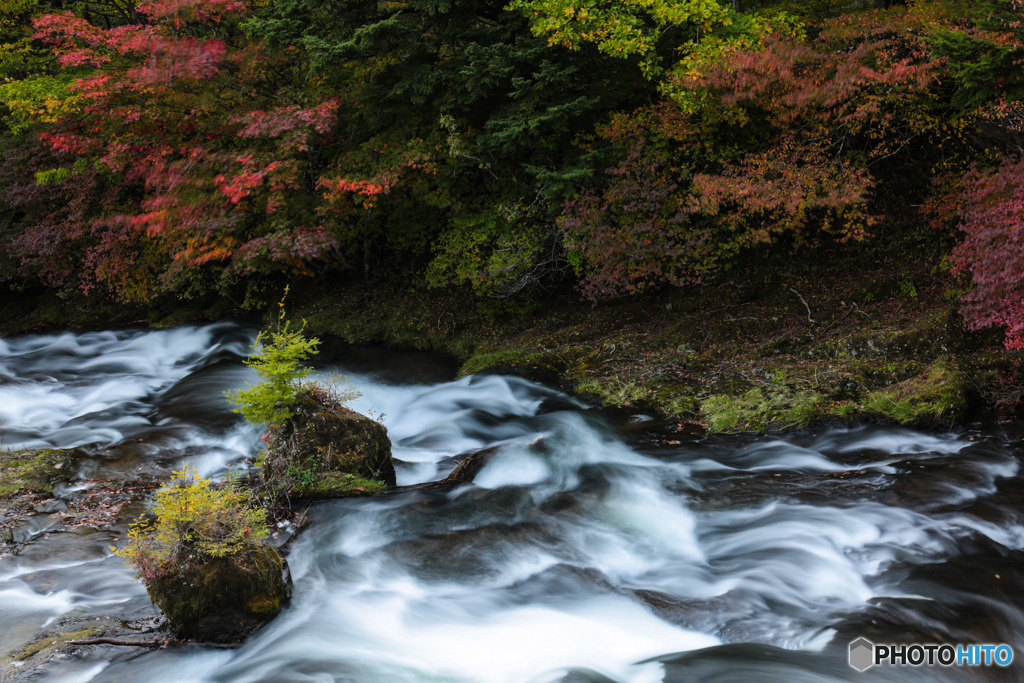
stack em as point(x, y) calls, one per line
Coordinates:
point(762, 347)
point(809, 344)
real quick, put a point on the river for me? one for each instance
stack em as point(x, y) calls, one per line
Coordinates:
point(595, 545)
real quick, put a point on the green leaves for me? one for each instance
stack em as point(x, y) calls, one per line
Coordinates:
point(38, 100)
point(625, 28)
point(278, 361)
point(985, 67)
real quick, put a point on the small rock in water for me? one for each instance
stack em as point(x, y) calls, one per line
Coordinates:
point(470, 465)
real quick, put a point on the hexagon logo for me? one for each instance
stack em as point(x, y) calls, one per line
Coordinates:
point(862, 654)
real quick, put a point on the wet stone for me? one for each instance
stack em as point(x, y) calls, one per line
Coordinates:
point(323, 449)
point(49, 506)
point(470, 465)
point(224, 599)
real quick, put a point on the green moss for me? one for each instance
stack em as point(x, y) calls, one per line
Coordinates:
point(725, 413)
point(336, 485)
point(47, 467)
point(265, 604)
point(680, 405)
point(33, 470)
point(52, 643)
point(937, 397)
point(515, 359)
point(805, 407)
point(933, 396)
point(845, 411)
point(34, 648)
point(614, 391)
point(761, 409)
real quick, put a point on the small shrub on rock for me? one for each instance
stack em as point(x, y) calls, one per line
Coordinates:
point(205, 561)
point(326, 451)
point(316, 446)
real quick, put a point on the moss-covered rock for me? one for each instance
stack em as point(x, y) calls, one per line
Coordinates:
point(326, 485)
point(761, 409)
point(223, 599)
point(27, 478)
point(33, 470)
point(937, 397)
point(543, 364)
point(909, 393)
point(46, 644)
point(46, 656)
point(327, 450)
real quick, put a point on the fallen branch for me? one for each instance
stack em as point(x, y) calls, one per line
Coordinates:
point(804, 302)
point(126, 643)
point(146, 643)
point(856, 309)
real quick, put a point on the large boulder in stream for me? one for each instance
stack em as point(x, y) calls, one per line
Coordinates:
point(205, 560)
point(327, 451)
point(223, 599)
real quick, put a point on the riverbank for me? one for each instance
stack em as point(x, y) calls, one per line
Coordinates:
point(761, 348)
point(764, 347)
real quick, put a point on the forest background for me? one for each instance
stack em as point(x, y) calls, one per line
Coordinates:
point(535, 185)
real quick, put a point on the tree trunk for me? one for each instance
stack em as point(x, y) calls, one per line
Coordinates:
point(366, 244)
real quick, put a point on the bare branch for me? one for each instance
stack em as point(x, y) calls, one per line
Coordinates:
point(147, 643)
point(804, 302)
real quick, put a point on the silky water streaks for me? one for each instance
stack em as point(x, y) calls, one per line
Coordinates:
point(587, 547)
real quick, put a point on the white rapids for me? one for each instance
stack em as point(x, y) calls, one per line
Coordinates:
point(574, 555)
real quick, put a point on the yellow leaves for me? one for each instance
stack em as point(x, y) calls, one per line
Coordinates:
point(15, 7)
point(192, 515)
point(280, 304)
point(624, 28)
point(43, 99)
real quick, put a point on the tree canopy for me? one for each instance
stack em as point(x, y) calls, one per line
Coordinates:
point(181, 147)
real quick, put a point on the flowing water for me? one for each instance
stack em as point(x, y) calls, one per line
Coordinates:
point(593, 545)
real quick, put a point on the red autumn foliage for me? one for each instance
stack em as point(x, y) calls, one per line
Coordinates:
point(181, 119)
point(861, 92)
point(783, 190)
point(785, 140)
point(368, 191)
point(183, 11)
point(992, 251)
point(641, 229)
